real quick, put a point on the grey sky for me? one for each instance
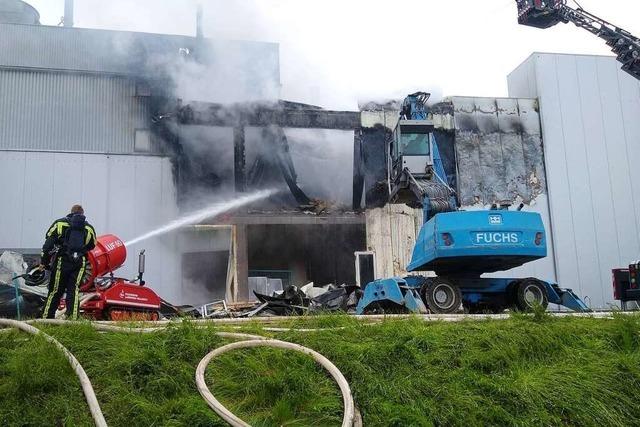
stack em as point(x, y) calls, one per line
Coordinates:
point(335, 52)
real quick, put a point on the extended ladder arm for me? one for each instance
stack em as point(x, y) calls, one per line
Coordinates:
point(544, 14)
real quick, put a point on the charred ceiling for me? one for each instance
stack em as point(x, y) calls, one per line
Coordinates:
point(254, 165)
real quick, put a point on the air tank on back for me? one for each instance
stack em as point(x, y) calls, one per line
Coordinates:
point(18, 12)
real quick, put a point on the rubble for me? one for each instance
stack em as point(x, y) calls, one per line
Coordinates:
point(307, 299)
point(31, 297)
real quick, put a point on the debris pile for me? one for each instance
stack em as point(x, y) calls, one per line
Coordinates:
point(271, 299)
point(307, 299)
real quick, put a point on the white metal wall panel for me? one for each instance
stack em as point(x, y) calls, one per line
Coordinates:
point(619, 161)
point(38, 200)
point(590, 110)
point(95, 188)
point(522, 81)
point(629, 96)
point(124, 52)
point(69, 112)
point(545, 268)
point(12, 198)
point(123, 195)
point(599, 180)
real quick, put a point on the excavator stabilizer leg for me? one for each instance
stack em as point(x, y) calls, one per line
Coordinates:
point(566, 298)
point(388, 295)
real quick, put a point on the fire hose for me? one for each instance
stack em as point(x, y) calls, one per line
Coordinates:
point(349, 408)
point(87, 388)
point(350, 418)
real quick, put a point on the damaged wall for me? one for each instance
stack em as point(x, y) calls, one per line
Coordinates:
point(498, 145)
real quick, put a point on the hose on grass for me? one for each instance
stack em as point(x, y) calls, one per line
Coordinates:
point(234, 421)
point(350, 418)
point(87, 388)
point(114, 328)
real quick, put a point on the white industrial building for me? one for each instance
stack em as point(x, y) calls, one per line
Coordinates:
point(77, 125)
point(76, 118)
point(589, 110)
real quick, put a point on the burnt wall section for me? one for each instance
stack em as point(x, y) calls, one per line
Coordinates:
point(445, 140)
point(498, 148)
point(373, 160)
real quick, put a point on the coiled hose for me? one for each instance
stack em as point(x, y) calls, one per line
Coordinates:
point(351, 416)
point(347, 419)
point(87, 388)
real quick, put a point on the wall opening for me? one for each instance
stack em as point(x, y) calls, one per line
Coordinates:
point(321, 253)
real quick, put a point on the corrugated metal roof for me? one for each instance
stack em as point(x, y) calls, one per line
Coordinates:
point(120, 52)
point(69, 112)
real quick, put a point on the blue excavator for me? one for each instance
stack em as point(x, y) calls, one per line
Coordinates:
point(458, 246)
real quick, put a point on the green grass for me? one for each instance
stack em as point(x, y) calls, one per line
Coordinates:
point(527, 370)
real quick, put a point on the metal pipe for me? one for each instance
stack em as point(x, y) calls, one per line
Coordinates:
point(68, 13)
point(141, 262)
point(199, 13)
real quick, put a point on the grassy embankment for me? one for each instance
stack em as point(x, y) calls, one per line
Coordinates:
point(521, 371)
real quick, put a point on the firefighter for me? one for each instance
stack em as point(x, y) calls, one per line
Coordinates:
point(64, 251)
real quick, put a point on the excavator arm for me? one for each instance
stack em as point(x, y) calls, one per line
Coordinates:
point(547, 13)
point(416, 174)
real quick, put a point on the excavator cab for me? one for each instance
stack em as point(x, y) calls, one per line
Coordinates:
point(412, 147)
point(539, 13)
point(416, 173)
point(411, 160)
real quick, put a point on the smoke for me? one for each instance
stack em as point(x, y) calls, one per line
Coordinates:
point(332, 53)
point(222, 72)
point(324, 163)
point(229, 72)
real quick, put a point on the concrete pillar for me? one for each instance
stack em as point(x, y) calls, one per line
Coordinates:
point(241, 274)
point(239, 160)
point(68, 13)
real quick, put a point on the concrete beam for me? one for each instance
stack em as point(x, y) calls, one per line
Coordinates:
point(298, 219)
point(259, 115)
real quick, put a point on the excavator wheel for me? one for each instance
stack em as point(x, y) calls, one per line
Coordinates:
point(441, 296)
point(529, 293)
